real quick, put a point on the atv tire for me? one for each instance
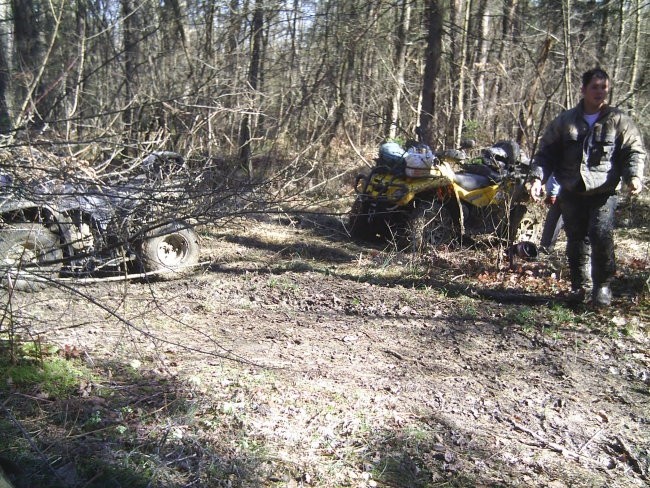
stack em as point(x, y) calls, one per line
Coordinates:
point(431, 224)
point(173, 250)
point(30, 256)
point(360, 224)
point(526, 223)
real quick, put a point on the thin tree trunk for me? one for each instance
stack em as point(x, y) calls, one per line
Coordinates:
point(605, 30)
point(232, 40)
point(76, 88)
point(392, 116)
point(620, 50)
point(5, 120)
point(348, 47)
point(433, 54)
point(499, 83)
point(29, 53)
point(459, 109)
point(484, 19)
point(634, 68)
point(208, 47)
point(568, 53)
point(245, 133)
point(130, 63)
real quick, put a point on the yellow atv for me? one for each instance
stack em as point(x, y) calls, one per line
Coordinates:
point(418, 198)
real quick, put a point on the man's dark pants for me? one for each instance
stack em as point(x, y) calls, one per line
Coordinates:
point(589, 220)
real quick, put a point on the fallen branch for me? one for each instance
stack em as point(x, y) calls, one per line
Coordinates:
point(132, 276)
point(554, 446)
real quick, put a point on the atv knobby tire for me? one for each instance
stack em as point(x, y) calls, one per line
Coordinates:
point(172, 249)
point(526, 223)
point(431, 224)
point(30, 256)
point(373, 222)
point(359, 221)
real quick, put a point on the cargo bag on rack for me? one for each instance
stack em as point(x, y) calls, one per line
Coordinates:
point(419, 161)
point(391, 156)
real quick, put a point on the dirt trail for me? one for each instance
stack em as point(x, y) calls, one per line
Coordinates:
point(316, 363)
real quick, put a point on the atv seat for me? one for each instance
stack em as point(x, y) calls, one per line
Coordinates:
point(470, 182)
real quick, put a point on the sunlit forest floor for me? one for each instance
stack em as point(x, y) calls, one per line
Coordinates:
point(296, 357)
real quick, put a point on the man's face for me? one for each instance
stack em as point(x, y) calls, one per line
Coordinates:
point(595, 93)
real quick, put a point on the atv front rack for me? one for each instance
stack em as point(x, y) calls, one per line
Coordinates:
point(382, 185)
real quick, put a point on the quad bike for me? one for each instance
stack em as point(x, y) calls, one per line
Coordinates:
point(420, 198)
point(52, 228)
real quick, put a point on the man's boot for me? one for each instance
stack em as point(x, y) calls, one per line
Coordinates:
point(603, 269)
point(578, 256)
point(602, 296)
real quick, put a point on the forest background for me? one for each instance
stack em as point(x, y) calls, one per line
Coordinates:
point(322, 82)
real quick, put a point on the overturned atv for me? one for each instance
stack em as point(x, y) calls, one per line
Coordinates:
point(417, 198)
point(81, 229)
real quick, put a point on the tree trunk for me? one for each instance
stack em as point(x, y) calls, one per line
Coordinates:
point(401, 41)
point(620, 50)
point(253, 82)
point(482, 59)
point(505, 43)
point(130, 47)
point(29, 53)
point(5, 120)
point(604, 33)
point(433, 54)
point(208, 47)
point(459, 74)
point(568, 54)
point(348, 47)
point(75, 81)
point(636, 54)
point(232, 40)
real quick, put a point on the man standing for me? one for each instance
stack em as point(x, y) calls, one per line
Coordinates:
point(589, 149)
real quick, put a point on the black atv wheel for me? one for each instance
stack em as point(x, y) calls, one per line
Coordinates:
point(526, 223)
point(30, 256)
point(172, 249)
point(431, 224)
point(361, 224)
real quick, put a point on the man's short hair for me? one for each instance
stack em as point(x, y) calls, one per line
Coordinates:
point(599, 73)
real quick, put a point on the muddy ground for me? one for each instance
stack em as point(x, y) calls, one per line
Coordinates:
point(296, 357)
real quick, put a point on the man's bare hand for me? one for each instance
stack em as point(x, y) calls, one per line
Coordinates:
point(536, 189)
point(635, 185)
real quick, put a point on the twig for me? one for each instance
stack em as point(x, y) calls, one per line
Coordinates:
point(357, 150)
point(600, 431)
point(394, 354)
point(554, 446)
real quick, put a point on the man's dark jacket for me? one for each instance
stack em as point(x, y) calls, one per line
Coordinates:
point(590, 160)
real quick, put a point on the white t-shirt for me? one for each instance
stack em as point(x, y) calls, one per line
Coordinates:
point(591, 118)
